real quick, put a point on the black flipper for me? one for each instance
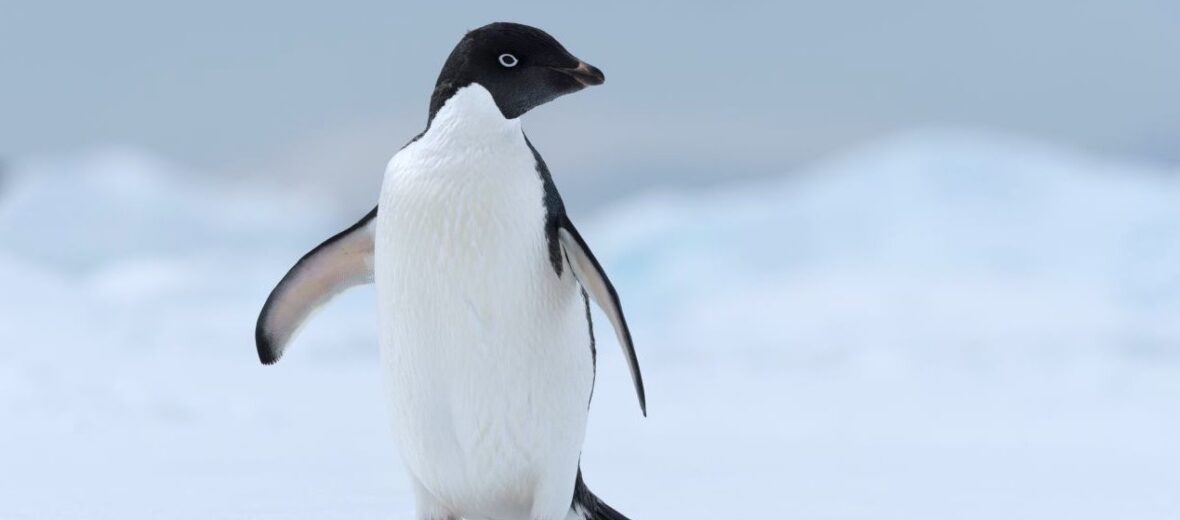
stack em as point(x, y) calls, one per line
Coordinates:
point(588, 271)
point(341, 262)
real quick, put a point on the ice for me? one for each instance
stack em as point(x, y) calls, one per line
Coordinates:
point(936, 325)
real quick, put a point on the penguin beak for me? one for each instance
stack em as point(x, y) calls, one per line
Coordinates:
point(585, 73)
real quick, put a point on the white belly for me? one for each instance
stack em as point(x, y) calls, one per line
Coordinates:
point(485, 349)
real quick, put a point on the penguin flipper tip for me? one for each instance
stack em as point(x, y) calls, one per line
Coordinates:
point(267, 354)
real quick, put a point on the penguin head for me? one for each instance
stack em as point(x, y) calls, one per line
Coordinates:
point(522, 67)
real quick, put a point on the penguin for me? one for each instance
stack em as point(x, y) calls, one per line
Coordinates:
point(484, 287)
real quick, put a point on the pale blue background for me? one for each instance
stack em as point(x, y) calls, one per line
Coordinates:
point(695, 91)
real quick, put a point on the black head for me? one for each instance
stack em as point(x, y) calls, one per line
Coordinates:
point(523, 67)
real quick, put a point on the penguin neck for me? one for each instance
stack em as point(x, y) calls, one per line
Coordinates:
point(471, 116)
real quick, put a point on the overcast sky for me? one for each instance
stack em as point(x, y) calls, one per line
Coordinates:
point(694, 91)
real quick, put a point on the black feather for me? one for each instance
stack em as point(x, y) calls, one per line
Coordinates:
point(589, 506)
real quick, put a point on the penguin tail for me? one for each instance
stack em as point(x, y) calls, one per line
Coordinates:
point(587, 506)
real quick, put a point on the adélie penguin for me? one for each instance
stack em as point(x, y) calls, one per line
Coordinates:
point(483, 287)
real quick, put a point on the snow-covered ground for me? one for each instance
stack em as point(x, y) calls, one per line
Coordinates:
point(940, 325)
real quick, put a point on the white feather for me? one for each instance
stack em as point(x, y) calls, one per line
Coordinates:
point(485, 348)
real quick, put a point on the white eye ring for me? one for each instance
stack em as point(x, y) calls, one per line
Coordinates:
point(508, 60)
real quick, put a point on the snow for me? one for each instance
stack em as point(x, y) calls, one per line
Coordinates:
point(937, 325)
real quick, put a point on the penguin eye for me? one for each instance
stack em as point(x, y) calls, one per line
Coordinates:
point(508, 60)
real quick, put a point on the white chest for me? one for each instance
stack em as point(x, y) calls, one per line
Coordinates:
point(486, 350)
